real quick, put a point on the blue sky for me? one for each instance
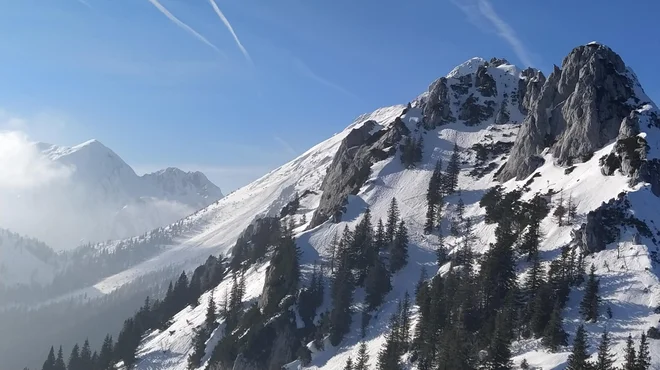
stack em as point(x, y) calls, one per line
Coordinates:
point(166, 83)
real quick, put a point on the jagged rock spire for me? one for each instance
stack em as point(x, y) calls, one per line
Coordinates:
point(579, 109)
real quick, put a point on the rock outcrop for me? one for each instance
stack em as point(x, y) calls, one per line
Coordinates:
point(273, 347)
point(351, 166)
point(578, 110)
point(603, 225)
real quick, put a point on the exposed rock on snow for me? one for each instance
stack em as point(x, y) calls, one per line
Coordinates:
point(351, 165)
point(579, 110)
point(603, 225)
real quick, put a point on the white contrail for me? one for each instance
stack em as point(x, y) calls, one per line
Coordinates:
point(305, 70)
point(85, 3)
point(289, 149)
point(231, 29)
point(505, 31)
point(179, 23)
point(479, 10)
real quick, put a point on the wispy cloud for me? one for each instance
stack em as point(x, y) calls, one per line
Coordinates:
point(231, 29)
point(85, 3)
point(182, 25)
point(305, 70)
point(477, 10)
point(289, 149)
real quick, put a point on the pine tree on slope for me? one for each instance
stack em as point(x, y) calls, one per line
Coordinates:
point(605, 360)
point(399, 248)
point(362, 360)
point(342, 297)
point(560, 211)
point(49, 364)
point(106, 355)
point(377, 284)
point(591, 299)
point(349, 364)
point(630, 355)
point(59, 362)
point(74, 358)
point(578, 359)
point(404, 328)
point(453, 168)
point(389, 355)
point(643, 354)
point(554, 335)
point(392, 221)
point(86, 361)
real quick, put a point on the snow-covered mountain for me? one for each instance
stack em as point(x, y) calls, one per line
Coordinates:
point(587, 131)
point(100, 197)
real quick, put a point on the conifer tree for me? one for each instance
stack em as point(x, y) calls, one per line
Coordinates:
point(333, 252)
point(404, 320)
point(389, 355)
point(74, 358)
point(86, 361)
point(342, 296)
point(630, 356)
point(59, 361)
point(199, 347)
point(534, 276)
point(399, 249)
point(392, 221)
point(362, 248)
point(605, 360)
point(441, 253)
point(407, 152)
point(554, 335)
point(499, 350)
point(571, 210)
point(377, 284)
point(433, 198)
point(591, 299)
point(560, 211)
point(453, 168)
point(578, 359)
point(211, 316)
point(49, 364)
point(380, 242)
point(362, 361)
point(418, 150)
point(349, 364)
point(430, 218)
point(643, 355)
point(106, 355)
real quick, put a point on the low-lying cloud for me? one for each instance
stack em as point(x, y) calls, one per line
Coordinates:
point(24, 166)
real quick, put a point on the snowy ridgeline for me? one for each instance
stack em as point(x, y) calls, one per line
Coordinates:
point(483, 121)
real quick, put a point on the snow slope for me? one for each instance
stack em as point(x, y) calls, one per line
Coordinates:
point(629, 278)
point(100, 197)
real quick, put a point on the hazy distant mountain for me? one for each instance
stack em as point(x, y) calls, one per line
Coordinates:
point(99, 197)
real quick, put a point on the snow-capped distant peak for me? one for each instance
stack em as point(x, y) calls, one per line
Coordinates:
point(468, 67)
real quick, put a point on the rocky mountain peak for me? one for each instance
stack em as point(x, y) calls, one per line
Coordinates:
point(579, 109)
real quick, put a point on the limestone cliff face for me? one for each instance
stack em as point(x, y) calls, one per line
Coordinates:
point(352, 165)
point(579, 109)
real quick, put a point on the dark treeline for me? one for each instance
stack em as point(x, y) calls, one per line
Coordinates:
point(88, 263)
point(152, 315)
